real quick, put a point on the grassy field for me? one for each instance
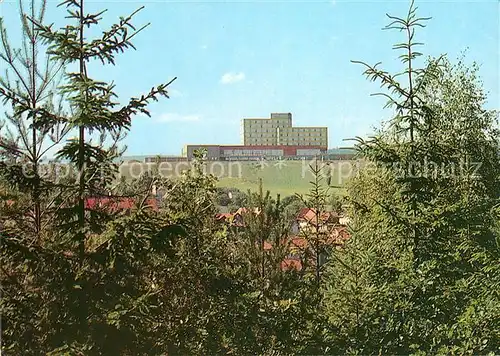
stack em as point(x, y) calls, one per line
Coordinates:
point(279, 177)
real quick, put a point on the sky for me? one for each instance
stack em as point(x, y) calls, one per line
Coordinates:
point(236, 59)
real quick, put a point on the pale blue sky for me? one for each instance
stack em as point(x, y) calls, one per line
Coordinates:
point(248, 59)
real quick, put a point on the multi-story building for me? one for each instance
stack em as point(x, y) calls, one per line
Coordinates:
point(240, 152)
point(303, 136)
point(264, 132)
point(213, 151)
point(268, 138)
point(278, 131)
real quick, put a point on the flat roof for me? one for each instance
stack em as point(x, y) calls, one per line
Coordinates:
point(342, 150)
point(264, 118)
point(202, 145)
point(307, 127)
point(239, 146)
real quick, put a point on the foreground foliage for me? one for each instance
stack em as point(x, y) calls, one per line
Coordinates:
point(419, 275)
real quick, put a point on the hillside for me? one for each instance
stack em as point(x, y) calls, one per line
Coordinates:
point(279, 177)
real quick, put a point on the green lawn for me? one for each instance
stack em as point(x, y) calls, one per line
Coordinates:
point(279, 177)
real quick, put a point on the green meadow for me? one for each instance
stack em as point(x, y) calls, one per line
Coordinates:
point(279, 177)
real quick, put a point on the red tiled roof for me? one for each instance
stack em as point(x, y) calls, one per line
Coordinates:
point(113, 203)
point(302, 213)
point(335, 235)
point(298, 242)
point(338, 235)
point(309, 215)
point(223, 216)
point(116, 203)
point(291, 264)
point(153, 203)
point(233, 219)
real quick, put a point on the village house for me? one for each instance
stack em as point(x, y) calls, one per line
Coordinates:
point(117, 204)
point(308, 221)
point(329, 227)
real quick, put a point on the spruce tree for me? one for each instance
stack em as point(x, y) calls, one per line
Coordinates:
point(317, 232)
point(59, 295)
point(422, 224)
point(27, 86)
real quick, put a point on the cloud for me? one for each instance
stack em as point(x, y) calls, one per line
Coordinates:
point(141, 114)
point(174, 117)
point(231, 78)
point(174, 93)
